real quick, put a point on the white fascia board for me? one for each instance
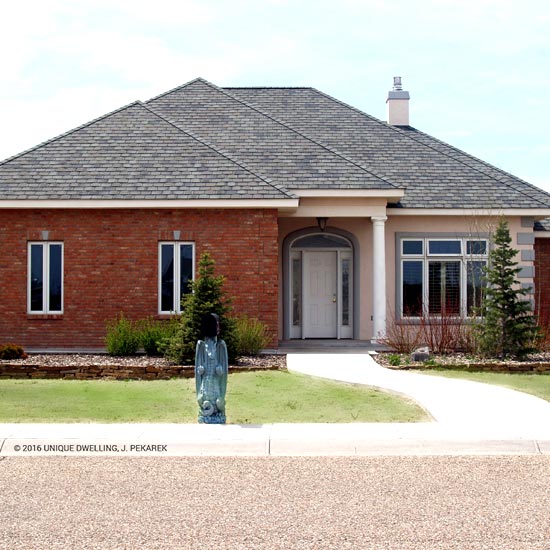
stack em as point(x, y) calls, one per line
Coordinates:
point(535, 212)
point(132, 204)
point(541, 234)
point(351, 193)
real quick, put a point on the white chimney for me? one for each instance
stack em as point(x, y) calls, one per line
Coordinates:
point(398, 104)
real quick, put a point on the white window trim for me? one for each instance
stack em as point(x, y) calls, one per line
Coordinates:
point(177, 264)
point(426, 258)
point(45, 245)
point(410, 255)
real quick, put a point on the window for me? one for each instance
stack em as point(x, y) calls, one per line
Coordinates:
point(45, 277)
point(176, 268)
point(441, 276)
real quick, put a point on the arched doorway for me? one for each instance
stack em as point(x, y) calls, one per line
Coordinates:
point(319, 301)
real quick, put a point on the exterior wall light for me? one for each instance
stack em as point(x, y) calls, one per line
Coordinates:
point(322, 223)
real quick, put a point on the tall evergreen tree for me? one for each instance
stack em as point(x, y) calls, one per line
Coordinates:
point(207, 296)
point(508, 327)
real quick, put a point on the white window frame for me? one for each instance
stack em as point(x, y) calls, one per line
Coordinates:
point(45, 277)
point(426, 258)
point(176, 245)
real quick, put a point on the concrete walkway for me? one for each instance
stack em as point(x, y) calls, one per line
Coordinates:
point(461, 406)
point(468, 418)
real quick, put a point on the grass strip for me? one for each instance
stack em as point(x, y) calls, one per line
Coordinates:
point(533, 383)
point(252, 398)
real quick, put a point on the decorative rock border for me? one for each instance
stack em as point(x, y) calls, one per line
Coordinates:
point(110, 372)
point(534, 367)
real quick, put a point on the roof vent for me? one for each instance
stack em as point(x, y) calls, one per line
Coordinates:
point(398, 104)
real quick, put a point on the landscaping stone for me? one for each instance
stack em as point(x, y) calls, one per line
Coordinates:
point(89, 367)
point(536, 363)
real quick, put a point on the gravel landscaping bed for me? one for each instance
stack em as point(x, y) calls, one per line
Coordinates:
point(79, 360)
point(88, 366)
point(536, 362)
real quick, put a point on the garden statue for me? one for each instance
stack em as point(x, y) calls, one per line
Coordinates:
point(211, 367)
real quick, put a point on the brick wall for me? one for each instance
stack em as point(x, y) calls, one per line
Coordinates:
point(111, 266)
point(542, 279)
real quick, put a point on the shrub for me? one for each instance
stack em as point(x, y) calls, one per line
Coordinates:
point(206, 296)
point(153, 334)
point(441, 333)
point(123, 336)
point(401, 337)
point(444, 333)
point(251, 336)
point(394, 359)
point(12, 351)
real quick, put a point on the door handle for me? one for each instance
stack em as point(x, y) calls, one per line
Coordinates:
point(334, 298)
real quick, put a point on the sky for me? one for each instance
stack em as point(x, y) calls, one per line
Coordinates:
point(478, 71)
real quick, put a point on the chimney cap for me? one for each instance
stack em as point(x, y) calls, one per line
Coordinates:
point(397, 92)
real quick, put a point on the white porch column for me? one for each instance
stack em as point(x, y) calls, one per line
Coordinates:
point(378, 277)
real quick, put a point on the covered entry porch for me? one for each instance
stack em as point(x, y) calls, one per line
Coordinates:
point(333, 270)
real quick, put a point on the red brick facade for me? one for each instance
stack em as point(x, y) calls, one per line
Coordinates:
point(542, 279)
point(111, 266)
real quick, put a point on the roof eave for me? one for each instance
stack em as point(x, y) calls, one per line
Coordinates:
point(534, 212)
point(110, 204)
point(351, 193)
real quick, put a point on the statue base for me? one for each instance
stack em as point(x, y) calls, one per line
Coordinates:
point(212, 419)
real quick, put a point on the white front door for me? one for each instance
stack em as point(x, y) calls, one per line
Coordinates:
point(320, 294)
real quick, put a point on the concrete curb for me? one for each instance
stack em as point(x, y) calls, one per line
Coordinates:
point(249, 440)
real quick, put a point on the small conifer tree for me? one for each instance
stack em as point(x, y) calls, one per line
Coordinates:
point(206, 296)
point(508, 327)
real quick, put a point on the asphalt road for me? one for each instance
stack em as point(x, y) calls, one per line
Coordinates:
point(395, 503)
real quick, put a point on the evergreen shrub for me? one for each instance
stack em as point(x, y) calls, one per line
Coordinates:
point(9, 352)
point(508, 326)
point(207, 296)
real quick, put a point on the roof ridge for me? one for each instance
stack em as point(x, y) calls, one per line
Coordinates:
point(305, 136)
point(266, 87)
point(73, 130)
point(198, 79)
point(224, 154)
point(407, 135)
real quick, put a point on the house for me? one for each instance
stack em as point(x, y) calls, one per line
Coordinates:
point(326, 221)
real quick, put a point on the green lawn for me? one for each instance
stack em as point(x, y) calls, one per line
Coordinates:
point(535, 384)
point(252, 398)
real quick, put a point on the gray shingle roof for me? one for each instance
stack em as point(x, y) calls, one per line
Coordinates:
point(268, 145)
point(199, 141)
point(130, 154)
point(435, 174)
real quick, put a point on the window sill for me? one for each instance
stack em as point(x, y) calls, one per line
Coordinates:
point(436, 320)
point(167, 316)
point(44, 316)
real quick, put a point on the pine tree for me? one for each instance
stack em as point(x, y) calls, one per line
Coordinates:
point(508, 327)
point(206, 296)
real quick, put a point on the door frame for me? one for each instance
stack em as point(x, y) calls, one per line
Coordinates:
point(291, 332)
